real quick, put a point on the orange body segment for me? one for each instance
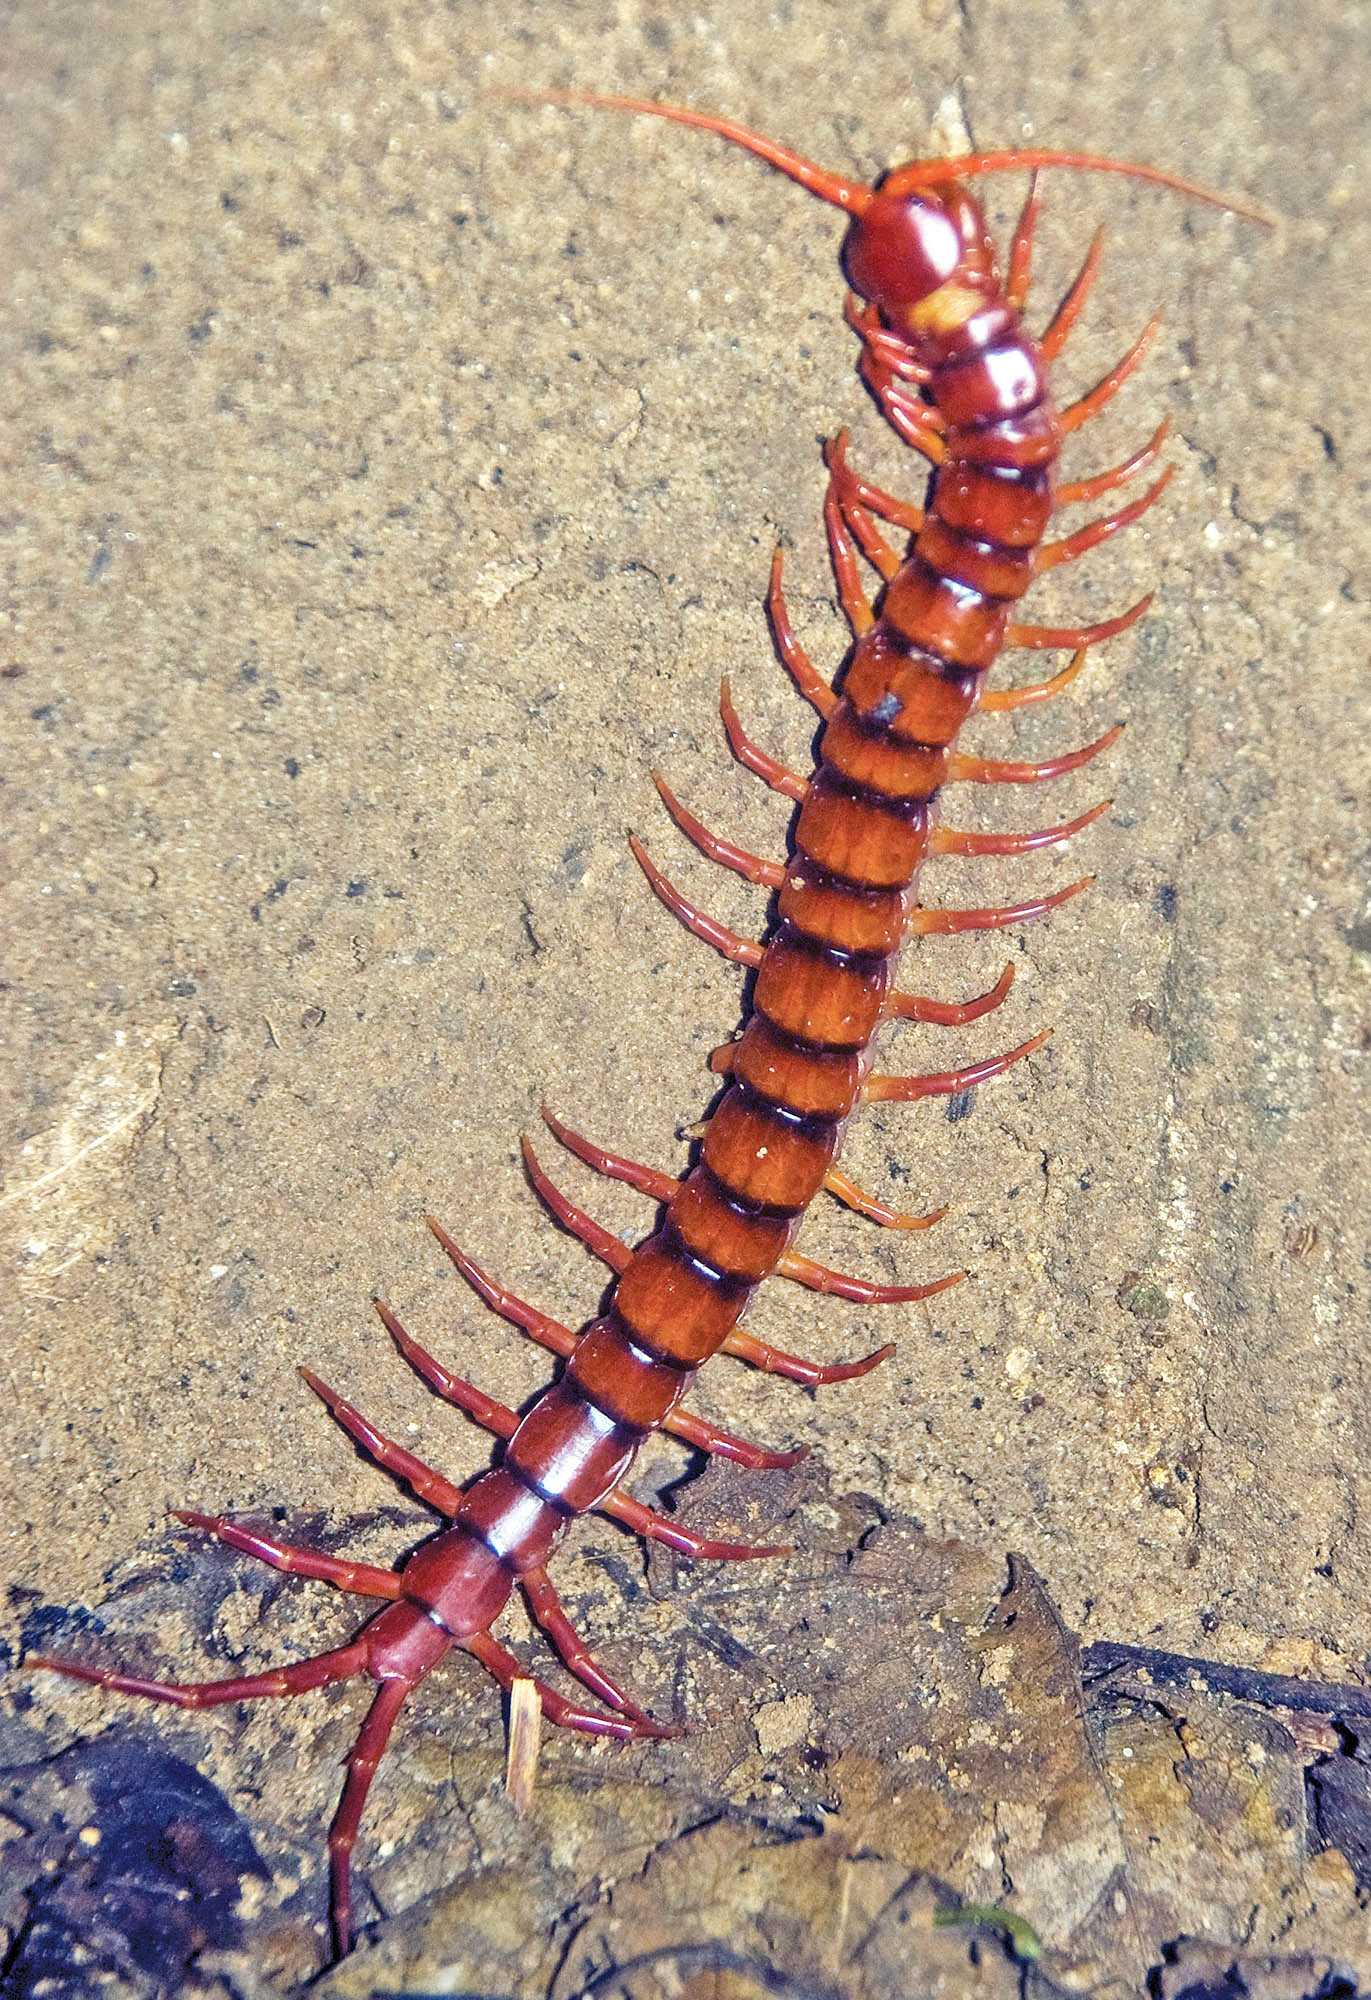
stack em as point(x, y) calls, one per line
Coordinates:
point(817, 1083)
point(917, 696)
point(842, 915)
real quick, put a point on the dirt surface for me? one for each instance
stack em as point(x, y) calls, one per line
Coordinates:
point(393, 468)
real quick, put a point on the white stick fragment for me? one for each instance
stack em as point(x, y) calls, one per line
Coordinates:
point(525, 1724)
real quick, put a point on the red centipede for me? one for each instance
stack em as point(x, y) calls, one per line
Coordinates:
point(947, 359)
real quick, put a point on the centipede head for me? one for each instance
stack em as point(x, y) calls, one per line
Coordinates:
point(924, 259)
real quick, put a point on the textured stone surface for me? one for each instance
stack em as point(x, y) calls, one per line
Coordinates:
point(392, 470)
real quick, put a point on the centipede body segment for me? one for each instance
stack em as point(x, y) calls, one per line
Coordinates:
point(946, 356)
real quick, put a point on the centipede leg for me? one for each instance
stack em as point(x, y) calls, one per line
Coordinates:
point(362, 1578)
point(846, 521)
point(999, 771)
point(549, 1614)
point(598, 1240)
point(540, 1326)
point(844, 1189)
point(797, 662)
point(888, 349)
point(1074, 490)
point(343, 1663)
point(861, 1291)
point(655, 1527)
point(951, 923)
point(857, 606)
point(1046, 637)
point(949, 1013)
point(764, 874)
point(948, 1082)
point(1109, 386)
point(885, 366)
point(742, 951)
point(506, 1669)
point(1002, 700)
point(1055, 335)
point(946, 840)
point(362, 1762)
point(647, 1180)
point(907, 417)
point(1071, 547)
point(494, 1417)
point(392, 1457)
point(811, 1374)
point(1021, 249)
point(750, 755)
point(853, 488)
point(707, 1437)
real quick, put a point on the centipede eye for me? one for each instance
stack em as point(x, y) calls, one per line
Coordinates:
point(901, 248)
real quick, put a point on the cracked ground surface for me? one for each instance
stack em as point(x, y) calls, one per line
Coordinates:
point(394, 470)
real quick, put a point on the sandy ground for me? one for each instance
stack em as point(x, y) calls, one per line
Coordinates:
point(393, 470)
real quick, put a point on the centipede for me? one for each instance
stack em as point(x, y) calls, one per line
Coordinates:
point(944, 353)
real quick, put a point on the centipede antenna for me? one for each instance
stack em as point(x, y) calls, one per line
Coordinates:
point(937, 173)
point(850, 195)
